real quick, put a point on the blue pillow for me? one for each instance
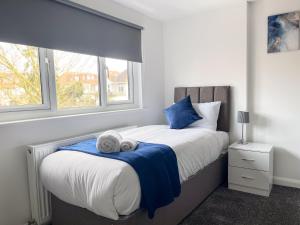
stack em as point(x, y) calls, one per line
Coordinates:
point(181, 114)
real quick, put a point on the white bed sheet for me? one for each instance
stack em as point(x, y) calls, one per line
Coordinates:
point(111, 188)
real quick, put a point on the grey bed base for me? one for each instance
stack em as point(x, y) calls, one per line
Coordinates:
point(194, 191)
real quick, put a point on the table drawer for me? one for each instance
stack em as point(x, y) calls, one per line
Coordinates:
point(250, 160)
point(249, 178)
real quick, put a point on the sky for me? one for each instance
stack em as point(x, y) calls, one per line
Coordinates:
point(84, 63)
point(73, 62)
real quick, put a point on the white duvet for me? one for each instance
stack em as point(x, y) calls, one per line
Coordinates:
point(111, 188)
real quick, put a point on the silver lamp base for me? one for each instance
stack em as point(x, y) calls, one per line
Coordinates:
point(242, 142)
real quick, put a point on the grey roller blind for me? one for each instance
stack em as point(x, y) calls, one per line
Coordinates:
point(64, 26)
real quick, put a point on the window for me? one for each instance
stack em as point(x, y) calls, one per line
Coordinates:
point(117, 80)
point(77, 82)
point(20, 76)
point(63, 82)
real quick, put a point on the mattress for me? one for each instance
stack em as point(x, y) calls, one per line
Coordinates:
point(111, 188)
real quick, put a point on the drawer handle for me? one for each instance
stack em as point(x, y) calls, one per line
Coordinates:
point(249, 160)
point(247, 178)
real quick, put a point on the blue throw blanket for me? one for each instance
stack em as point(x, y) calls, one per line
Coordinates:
point(156, 166)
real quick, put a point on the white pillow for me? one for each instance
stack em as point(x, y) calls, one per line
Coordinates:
point(209, 112)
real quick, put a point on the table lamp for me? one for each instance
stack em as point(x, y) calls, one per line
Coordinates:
point(243, 118)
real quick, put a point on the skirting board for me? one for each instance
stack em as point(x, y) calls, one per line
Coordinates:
point(288, 182)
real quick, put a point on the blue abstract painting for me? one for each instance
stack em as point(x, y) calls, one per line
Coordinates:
point(283, 32)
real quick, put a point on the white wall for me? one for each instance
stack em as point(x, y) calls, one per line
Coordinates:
point(14, 199)
point(213, 47)
point(209, 48)
point(274, 93)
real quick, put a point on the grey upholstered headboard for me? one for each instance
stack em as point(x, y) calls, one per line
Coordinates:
point(209, 94)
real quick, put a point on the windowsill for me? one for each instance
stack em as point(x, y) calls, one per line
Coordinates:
point(83, 114)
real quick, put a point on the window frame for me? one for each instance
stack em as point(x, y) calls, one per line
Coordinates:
point(44, 83)
point(130, 86)
point(70, 110)
point(48, 90)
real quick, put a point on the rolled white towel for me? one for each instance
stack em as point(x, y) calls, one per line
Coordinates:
point(109, 141)
point(128, 144)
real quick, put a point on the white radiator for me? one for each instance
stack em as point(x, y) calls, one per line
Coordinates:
point(39, 196)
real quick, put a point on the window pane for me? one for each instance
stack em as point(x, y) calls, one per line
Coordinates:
point(77, 83)
point(117, 80)
point(20, 82)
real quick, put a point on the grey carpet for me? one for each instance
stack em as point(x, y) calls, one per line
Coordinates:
point(227, 207)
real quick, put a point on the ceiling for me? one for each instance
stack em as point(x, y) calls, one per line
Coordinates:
point(170, 9)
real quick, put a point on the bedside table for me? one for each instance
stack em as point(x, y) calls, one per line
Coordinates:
point(250, 168)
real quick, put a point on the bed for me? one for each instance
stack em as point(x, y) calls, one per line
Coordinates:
point(77, 200)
